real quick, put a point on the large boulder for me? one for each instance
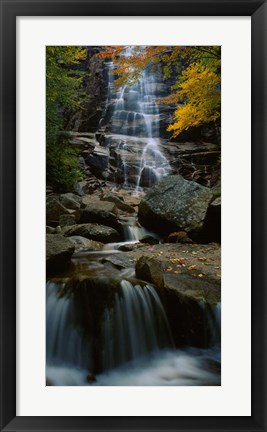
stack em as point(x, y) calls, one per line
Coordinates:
point(120, 204)
point(70, 201)
point(102, 212)
point(189, 287)
point(95, 232)
point(54, 209)
point(185, 283)
point(82, 244)
point(82, 188)
point(175, 204)
point(119, 261)
point(67, 220)
point(58, 252)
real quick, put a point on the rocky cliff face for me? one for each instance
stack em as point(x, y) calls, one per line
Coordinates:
point(126, 127)
point(95, 83)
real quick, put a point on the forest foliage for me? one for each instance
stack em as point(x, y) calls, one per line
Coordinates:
point(64, 94)
point(196, 92)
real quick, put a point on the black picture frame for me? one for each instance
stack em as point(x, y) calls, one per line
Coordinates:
point(10, 9)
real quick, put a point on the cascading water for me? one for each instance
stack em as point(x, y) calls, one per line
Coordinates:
point(212, 320)
point(153, 163)
point(134, 338)
point(133, 231)
point(134, 124)
point(134, 326)
point(65, 342)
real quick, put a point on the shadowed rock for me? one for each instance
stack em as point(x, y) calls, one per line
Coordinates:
point(54, 209)
point(58, 252)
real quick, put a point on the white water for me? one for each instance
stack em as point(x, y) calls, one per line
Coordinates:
point(136, 114)
point(152, 158)
point(164, 368)
point(133, 231)
point(135, 326)
point(64, 339)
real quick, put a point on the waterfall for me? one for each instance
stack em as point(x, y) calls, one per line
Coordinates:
point(65, 343)
point(134, 339)
point(134, 122)
point(153, 164)
point(135, 326)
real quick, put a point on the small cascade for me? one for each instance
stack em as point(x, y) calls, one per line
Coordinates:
point(123, 147)
point(212, 320)
point(216, 311)
point(135, 326)
point(133, 231)
point(65, 343)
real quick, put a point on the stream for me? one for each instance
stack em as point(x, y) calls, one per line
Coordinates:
point(129, 340)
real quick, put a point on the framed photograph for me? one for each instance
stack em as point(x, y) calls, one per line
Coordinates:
point(133, 146)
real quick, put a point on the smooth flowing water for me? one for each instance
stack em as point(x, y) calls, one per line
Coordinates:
point(65, 343)
point(130, 333)
point(132, 327)
point(135, 121)
point(133, 231)
point(192, 367)
point(135, 326)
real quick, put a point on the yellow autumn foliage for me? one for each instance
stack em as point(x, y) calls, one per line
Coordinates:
point(198, 98)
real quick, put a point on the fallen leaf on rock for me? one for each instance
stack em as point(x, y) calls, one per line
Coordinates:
point(194, 253)
point(202, 258)
point(200, 275)
point(192, 267)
